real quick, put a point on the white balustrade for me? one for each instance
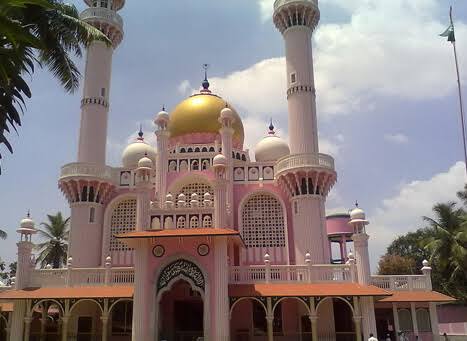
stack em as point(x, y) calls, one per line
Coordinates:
point(290, 273)
point(86, 170)
point(303, 160)
point(279, 3)
point(400, 282)
point(81, 277)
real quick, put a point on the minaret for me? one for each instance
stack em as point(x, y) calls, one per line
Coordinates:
point(162, 167)
point(88, 183)
point(21, 323)
point(360, 240)
point(305, 175)
point(103, 15)
point(226, 119)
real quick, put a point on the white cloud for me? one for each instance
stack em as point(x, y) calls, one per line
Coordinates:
point(364, 58)
point(397, 138)
point(184, 87)
point(403, 212)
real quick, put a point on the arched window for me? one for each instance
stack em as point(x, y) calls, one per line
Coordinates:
point(207, 221)
point(197, 150)
point(194, 222)
point(405, 319)
point(181, 222)
point(211, 149)
point(123, 220)
point(263, 222)
point(204, 150)
point(194, 165)
point(182, 150)
point(423, 320)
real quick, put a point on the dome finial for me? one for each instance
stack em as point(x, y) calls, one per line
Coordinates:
point(205, 83)
point(140, 133)
point(28, 214)
point(356, 203)
point(163, 107)
point(271, 127)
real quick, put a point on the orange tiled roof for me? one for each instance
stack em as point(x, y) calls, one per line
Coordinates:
point(6, 306)
point(194, 232)
point(305, 289)
point(417, 296)
point(69, 292)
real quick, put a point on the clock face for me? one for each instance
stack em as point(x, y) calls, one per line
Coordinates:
point(203, 249)
point(158, 251)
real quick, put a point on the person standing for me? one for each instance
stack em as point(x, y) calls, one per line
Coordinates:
point(372, 338)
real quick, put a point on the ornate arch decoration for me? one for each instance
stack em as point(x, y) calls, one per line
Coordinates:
point(113, 304)
point(79, 301)
point(181, 267)
point(278, 300)
point(347, 300)
point(36, 303)
point(176, 185)
point(235, 301)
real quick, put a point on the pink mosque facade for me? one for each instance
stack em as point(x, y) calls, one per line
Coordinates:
point(192, 240)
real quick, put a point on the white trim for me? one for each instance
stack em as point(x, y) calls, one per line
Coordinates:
point(85, 300)
point(48, 300)
point(291, 297)
point(247, 298)
point(338, 297)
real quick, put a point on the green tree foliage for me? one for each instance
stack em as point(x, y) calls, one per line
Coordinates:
point(394, 264)
point(53, 250)
point(443, 241)
point(6, 276)
point(37, 32)
point(3, 234)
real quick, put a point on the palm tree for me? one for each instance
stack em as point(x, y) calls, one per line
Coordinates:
point(55, 247)
point(448, 245)
point(3, 234)
point(43, 32)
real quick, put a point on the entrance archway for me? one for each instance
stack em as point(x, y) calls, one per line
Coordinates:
point(181, 313)
point(181, 301)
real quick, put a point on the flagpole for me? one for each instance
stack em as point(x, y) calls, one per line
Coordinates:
point(460, 94)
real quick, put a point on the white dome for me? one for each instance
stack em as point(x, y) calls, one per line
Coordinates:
point(219, 160)
point(227, 113)
point(136, 151)
point(271, 147)
point(162, 118)
point(27, 223)
point(357, 213)
point(145, 162)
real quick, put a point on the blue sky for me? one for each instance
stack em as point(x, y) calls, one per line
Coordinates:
point(386, 92)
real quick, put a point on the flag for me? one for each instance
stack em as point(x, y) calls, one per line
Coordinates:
point(449, 33)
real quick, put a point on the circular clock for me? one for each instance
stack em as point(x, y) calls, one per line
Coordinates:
point(203, 249)
point(158, 251)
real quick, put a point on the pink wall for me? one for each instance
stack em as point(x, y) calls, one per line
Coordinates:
point(452, 319)
point(338, 225)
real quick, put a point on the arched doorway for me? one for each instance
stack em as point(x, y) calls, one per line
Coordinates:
point(181, 298)
point(181, 313)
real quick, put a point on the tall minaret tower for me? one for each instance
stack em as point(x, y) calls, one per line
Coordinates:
point(95, 102)
point(87, 184)
point(305, 175)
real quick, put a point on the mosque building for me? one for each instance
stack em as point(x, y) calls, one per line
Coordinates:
point(193, 240)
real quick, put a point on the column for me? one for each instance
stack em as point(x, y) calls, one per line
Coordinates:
point(270, 319)
point(397, 325)
point(17, 321)
point(162, 167)
point(43, 321)
point(221, 284)
point(434, 321)
point(105, 327)
point(65, 320)
point(314, 327)
point(27, 327)
point(140, 301)
point(413, 312)
point(357, 318)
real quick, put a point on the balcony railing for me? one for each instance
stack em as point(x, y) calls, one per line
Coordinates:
point(291, 273)
point(82, 277)
point(102, 13)
point(304, 160)
point(279, 3)
point(401, 282)
point(87, 170)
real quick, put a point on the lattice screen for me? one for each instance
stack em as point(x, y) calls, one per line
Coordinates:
point(263, 222)
point(123, 220)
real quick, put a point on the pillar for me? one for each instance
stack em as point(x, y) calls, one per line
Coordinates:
point(269, 319)
point(27, 327)
point(397, 325)
point(226, 119)
point(221, 293)
point(413, 312)
point(162, 166)
point(434, 321)
point(140, 331)
point(65, 320)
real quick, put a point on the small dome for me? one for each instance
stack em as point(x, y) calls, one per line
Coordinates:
point(136, 151)
point(27, 223)
point(162, 118)
point(357, 213)
point(145, 162)
point(227, 113)
point(219, 160)
point(271, 147)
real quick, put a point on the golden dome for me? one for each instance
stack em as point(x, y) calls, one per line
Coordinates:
point(199, 114)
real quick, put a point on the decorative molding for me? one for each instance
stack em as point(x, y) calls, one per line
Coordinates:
point(181, 267)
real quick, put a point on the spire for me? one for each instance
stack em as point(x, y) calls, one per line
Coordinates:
point(140, 133)
point(271, 128)
point(28, 214)
point(356, 203)
point(205, 84)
